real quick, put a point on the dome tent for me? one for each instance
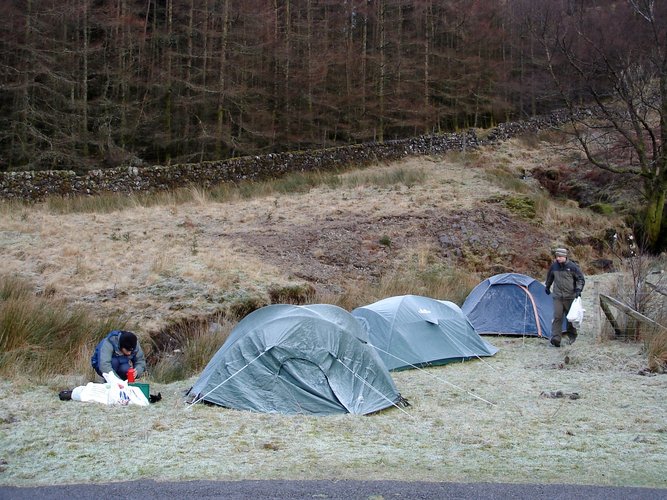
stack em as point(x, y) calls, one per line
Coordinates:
point(411, 330)
point(510, 304)
point(297, 360)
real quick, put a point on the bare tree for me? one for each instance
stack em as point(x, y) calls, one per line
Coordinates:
point(612, 55)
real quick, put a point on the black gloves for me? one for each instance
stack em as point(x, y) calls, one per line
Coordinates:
point(547, 291)
point(577, 294)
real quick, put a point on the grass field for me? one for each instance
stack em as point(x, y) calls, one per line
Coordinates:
point(615, 433)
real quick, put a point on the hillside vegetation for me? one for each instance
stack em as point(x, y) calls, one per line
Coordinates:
point(433, 226)
point(181, 268)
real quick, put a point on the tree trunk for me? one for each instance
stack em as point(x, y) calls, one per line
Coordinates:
point(383, 68)
point(310, 76)
point(84, 78)
point(168, 111)
point(428, 36)
point(653, 215)
point(220, 135)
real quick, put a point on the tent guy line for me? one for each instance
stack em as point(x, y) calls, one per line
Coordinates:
point(299, 373)
point(434, 376)
point(465, 348)
point(226, 380)
point(374, 389)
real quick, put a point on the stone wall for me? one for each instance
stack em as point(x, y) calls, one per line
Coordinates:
point(36, 185)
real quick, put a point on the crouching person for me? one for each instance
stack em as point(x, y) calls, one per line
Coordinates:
point(119, 351)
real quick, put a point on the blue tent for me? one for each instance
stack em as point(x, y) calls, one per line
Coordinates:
point(510, 304)
point(297, 359)
point(411, 330)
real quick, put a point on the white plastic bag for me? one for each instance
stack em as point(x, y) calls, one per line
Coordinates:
point(91, 392)
point(576, 313)
point(114, 392)
point(123, 394)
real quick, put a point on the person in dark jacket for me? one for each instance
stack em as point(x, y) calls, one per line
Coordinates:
point(119, 351)
point(568, 282)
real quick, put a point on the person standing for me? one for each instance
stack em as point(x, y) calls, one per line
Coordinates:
point(568, 282)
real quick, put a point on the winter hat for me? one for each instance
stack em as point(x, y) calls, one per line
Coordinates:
point(127, 340)
point(560, 252)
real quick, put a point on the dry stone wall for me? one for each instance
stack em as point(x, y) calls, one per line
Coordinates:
point(36, 185)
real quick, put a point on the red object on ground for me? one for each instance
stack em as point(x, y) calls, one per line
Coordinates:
point(130, 375)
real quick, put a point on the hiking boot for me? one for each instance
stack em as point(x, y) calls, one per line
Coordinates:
point(555, 341)
point(572, 338)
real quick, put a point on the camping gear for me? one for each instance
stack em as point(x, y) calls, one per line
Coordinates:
point(114, 392)
point(510, 304)
point(145, 388)
point(412, 330)
point(297, 359)
point(130, 375)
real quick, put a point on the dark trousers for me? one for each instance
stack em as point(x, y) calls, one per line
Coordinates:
point(561, 308)
point(121, 364)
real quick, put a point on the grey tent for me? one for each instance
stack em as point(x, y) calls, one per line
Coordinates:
point(412, 330)
point(297, 359)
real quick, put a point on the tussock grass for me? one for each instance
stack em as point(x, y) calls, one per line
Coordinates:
point(553, 136)
point(291, 183)
point(13, 288)
point(506, 178)
point(198, 341)
point(433, 282)
point(386, 178)
point(420, 274)
point(103, 203)
point(41, 336)
point(655, 343)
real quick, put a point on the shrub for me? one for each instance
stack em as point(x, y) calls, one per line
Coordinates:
point(602, 208)
point(385, 241)
point(640, 290)
point(521, 205)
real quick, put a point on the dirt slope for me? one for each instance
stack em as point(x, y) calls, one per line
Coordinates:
point(160, 264)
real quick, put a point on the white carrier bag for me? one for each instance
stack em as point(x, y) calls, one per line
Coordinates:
point(114, 392)
point(576, 313)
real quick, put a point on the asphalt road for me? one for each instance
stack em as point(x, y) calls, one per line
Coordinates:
point(148, 489)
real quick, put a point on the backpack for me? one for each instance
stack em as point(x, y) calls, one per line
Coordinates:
point(95, 358)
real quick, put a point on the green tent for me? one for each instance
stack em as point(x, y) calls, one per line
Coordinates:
point(411, 330)
point(297, 360)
